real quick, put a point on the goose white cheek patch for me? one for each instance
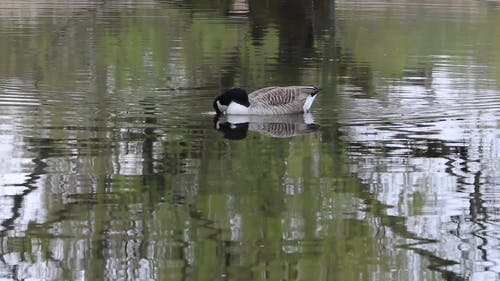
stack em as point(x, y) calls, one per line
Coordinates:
point(221, 107)
point(236, 108)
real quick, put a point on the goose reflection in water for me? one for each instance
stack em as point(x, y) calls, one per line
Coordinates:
point(235, 127)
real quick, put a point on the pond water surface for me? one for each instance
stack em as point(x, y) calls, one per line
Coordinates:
point(112, 166)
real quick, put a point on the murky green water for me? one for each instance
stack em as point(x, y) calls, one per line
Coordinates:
point(111, 167)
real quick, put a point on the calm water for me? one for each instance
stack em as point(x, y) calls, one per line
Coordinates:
point(111, 166)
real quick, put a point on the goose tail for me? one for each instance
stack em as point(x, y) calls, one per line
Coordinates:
point(310, 99)
point(316, 90)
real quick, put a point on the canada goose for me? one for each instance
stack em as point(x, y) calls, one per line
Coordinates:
point(266, 101)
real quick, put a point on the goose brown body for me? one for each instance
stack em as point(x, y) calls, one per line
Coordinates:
point(281, 100)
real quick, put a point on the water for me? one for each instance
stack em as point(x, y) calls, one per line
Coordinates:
point(112, 166)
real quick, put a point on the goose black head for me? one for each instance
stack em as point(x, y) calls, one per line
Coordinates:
point(233, 95)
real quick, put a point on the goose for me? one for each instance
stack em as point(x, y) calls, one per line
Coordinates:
point(266, 101)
